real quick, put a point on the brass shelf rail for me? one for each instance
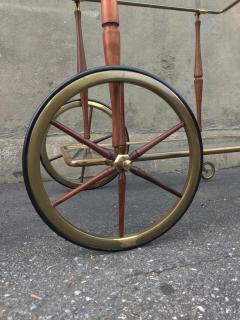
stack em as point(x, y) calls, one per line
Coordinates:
point(162, 7)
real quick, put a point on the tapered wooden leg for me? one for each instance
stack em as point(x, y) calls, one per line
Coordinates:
point(198, 72)
point(82, 66)
point(111, 44)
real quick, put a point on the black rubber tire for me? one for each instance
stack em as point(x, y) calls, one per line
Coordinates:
point(36, 116)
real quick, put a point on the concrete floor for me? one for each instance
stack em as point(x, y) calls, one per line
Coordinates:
point(192, 272)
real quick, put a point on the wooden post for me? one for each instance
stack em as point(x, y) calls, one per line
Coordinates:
point(198, 72)
point(82, 66)
point(111, 44)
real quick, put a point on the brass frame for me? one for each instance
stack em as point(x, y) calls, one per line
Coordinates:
point(162, 7)
point(37, 135)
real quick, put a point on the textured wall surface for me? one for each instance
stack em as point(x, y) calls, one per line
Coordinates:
point(37, 52)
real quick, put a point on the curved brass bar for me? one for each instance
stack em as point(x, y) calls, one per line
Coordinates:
point(183, 9)
point(230, 6)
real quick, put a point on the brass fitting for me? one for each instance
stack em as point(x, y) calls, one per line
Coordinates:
point(77, 2)
point(123, 162)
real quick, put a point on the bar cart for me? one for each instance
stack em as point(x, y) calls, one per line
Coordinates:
point(114, 153)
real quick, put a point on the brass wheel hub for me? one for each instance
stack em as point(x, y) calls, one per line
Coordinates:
point(123, 162)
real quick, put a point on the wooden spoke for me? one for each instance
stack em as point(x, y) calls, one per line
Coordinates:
point(82, 174)
point(77, 136)
point(103, 138)
point(122, 195)
point(103, 174)
point(142, 174)
point(87, 155)
point(143, 149)
point(56, 157)
point(90, 118)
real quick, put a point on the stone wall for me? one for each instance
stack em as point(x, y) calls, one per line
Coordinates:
point(37, 52)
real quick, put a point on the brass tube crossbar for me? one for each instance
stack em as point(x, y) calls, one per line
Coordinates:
point(147, 157)
point(183, 9)
point(182, 154)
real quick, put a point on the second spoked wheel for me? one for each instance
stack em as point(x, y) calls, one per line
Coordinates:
point(52, 158)
point(157, 177)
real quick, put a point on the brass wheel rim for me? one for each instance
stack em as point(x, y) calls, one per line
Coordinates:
point(54, 218)
point(62, 179)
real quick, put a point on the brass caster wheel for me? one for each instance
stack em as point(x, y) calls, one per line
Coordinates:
point(52, 156)
point(208, 171)
point(158, 175)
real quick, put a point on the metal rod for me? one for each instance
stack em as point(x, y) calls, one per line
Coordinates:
point(104, 145)
point(182, 154)
point(183, 9)
point(82, 66)
point(230, 6)
point(221, 150)
point(146, 157)
point(56, 157)
point(87, 162)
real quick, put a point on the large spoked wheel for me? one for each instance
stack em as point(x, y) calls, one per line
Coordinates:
point(51, 156)
point(101, 219)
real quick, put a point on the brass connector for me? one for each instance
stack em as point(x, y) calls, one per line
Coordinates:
point(123, 162)
point(77, 2)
